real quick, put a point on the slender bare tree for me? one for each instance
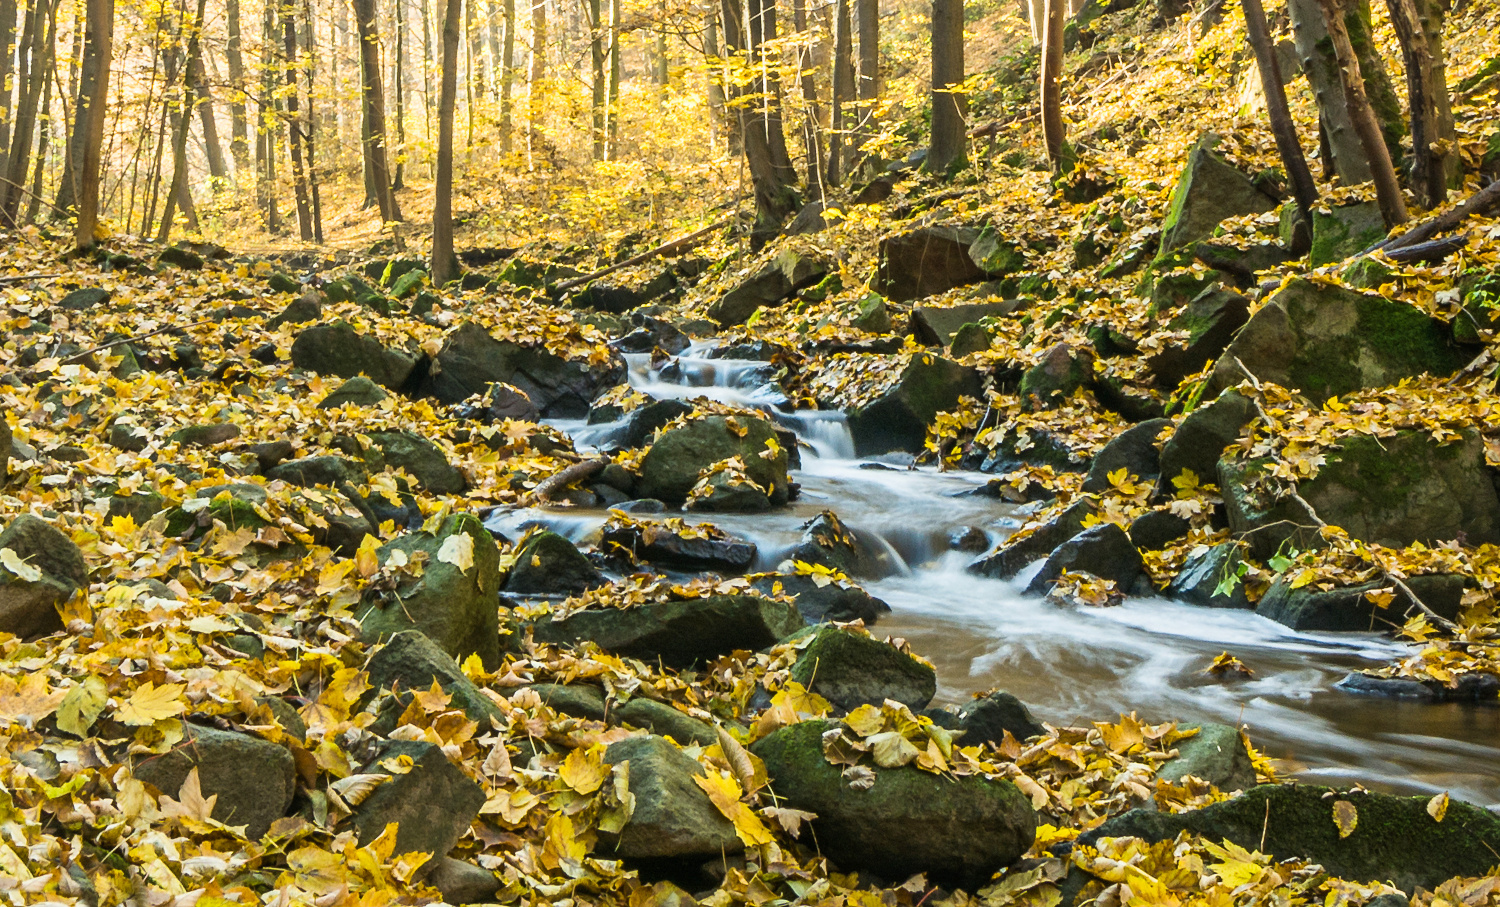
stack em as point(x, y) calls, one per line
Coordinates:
point(949, 106)
point(444, 263)
point(1366, 126)
point(93, 86)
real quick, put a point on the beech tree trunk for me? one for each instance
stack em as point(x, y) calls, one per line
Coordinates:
point(373, 90)
point(266, 124)
point(34, 195)
point(295, 127)
point(612, 102)
point(1429, 176)
point(600, 89)
point(7, 37)
point(1282, 126)
point(843, 121)
point(1430, 18)
point(239, 143)
point(775, 199)
point(535, 92)
point(444, 263)
point(718, 114)
point(812, 142)
point(762, 18)
point(867, 23)
point(36, 60)
point(949, 106)
point(1366, 126)
point(93, 85)
point(399, 180)
point(508, 75)
point(1054, 129)
point(180, 194)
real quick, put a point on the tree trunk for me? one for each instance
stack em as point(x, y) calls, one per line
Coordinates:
point(212, 150)
point(1430, 18)
point(774, 198)
point(1366, 126)
point(399, 180)
point(842, 121)
point(1376, 79)
point(600, 89)
point(93, 86)
point(1321, 68)
point(34, 196)
point(373, 90)
point(536, 99)
point(812, 114)
point(762, 38)
point(7, 35)
point(471, 54)
point(239, 143)
point(1282, 126)
point(444, 264)
point(717, 114)
point(1036, 19)
point(295, 126)
point(507, 76)
point(1429, 178)
point(948, 104)
point(35, 52)
point(867, 23)
point(266, 124)
point(180, 193)
point(612, 102)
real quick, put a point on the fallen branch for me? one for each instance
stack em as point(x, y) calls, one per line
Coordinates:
point(1434, 250)
point(131, 339)
point(681, 244)
point(1478, 203)
point(22, 278)
point(575, 473)
point(1478, 366)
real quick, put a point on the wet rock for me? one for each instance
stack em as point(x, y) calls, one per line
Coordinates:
point(253, 779)
point(411, 662)
point(898, 419)
point(503, 401)
point(680, 633)
point(205, 435)
point(1349, 608)
point(1393, 491)
point(1471, 687)
point(1325, 341)
point(1394, 840)
point(850, 669)
point(989, 717)
point(750, 351)
point(455, 606)
point(1134, 450)
point(694, 548)
point(418, 456)
point(665, 721)
point(359, 391)
point(834, 601)
point(462, 883)
point(1104, 551)
point(938, 326)
point(770, 286)
point(1216, 754)
point(1200, 439)
point(925, 262)
point(328, 471)
point(726, 490)
point(970, 539)
point(548, 564)
point(673, 816)
point(644, 421)
point(1062, 372)
point(471, 360)
point(432, 804)
point(28, 602)
point(1203, 575)
point(1013, 555)
point(1210, 321)
point(337, 349)
point(1157, 529)
point(827, 542)
point(1344, 231)
point(1209, 191)
point(958, 831)
point(671, 468)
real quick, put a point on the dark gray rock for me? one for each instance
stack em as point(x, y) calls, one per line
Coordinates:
point(898, 419)
point(1208, 192)
point(462, 883)
point(253, 779)
point(673, 816)
point(680, 633)
point(924, 262)
point(1156, 529)
point(1134, 450)
point(205, 435)
point(411, 662)
point(1204, 572)
point(360, 391)
point(1063, 371)
point(661, 545)
point(664, 721)
point(1210, 321)
point(471, 360)
point(1200, 439)
point(989, 717)
point(842, 602)
point(1104, 551)
point(1348, 607)
point(850, 669)
point(83, 299)
point(337, 349)
point(670, 469)
point(1013, 556)
point(1344, 231)
point(418, 456)
point(301, 310)
point(938, 326)
point(28, 607)
point(328, 471)
point(770, 286)
point(826, 541)
point(548, 564)
point(432, 804)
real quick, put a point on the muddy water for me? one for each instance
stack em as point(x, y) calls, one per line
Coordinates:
point(1073, 664)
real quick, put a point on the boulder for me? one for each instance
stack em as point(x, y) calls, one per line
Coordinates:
point(1349, 608)
point(433, 803)
point(240, 505)
point(301, 310)
point(337, 349)
point(1200, 439)
point(989, 717)
point(580, 700)
point(328, 471)
point(1210, 322)
point(1156, 529)
point(206, 435)
point(1324, 340)
point(873, 316)
point(28, 602)
point(673, 817)
point(1204, 572)
point(470, 360)
point(1344, 231)
point(1217, 754)
point(664, 721)
point(644, 421)
point(1063, 371)
point(360, 391)
point(769, 286)
point(411, 662)
point(971, 338)
point(827, 542)
point(959, 831)
point(462, 883)
point(1392, 491)
point(1104, 551)
point(671, 468)
point(924, 262)
point(253, 779)
point(423, 459)
point(939, 325)
point(457, 607)
point(1209, 191)
point(1134, 450)
point(898, 419)
point(850, 669)
point(1394, 839)
point(680, 633)
point(548, 564)
point(696, 548)
point(1013, 556)
point(842, 602)
point(995, 256)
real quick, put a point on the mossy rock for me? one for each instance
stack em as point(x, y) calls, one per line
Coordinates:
point(1348, 608)
point(412, 662)
point(548, 564)
point(1200, 439)
point(899, 418)
point(959, 831)
point(1208, 191)
point(250, 780)
point(418, 456)
point(235, 506)
point(1063, 371)
point(850, 669)
point(671, 468)
point(338, 350)
point(1366, 274)
point(673, 818)
point(1394, 838)
point(1216, 754)
point(1345, 231)
point(679, 633)
point(995, 256)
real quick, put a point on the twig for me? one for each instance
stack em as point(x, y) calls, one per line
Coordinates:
point(682, 243)
point(99, 349)
point(575, 473)
point(22, 278)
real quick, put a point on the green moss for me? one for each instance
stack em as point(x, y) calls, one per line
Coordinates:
point(1366, 467)
point(233, 513)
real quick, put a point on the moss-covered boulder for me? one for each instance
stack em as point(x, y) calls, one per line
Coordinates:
point(680, 633)
point(1209, 191)
point(359, 391)
point(1217, 754)
point(411, 662)
point(898, 419)
point(470, 360)
point(665, 721)
point(926, 261)
point(673, 817)
point(1338, 233)
point(240, 505)
point(769, 286)
point(548, 564)
point(670, 470)
point(995, 255)
point(423, 459)
point(1394, 838)
point(339, 350)
point(309, 472)
point(1210, 322)
point(1393, 491)
point(850, 669)
point(1012, 556)
point(1063, 371)
point(1350, 607)
point(1135, 450)
point(432, 802)
point(1323, 340)
point(455, 598)
point(252, 780)
point(939, 325)
point(1201, 437)
point(54, 569)
point(957, 830)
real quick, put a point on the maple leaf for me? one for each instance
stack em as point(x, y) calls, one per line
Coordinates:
point(150, 704)
point(725, 794)
point(584, 770)
point(458, 550)
point(190, 802)
point(27, 700)
point(81, 706)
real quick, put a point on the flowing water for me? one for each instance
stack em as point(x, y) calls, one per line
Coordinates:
point(1071, 664)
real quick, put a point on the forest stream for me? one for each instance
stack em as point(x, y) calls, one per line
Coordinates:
point(1071, 664)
